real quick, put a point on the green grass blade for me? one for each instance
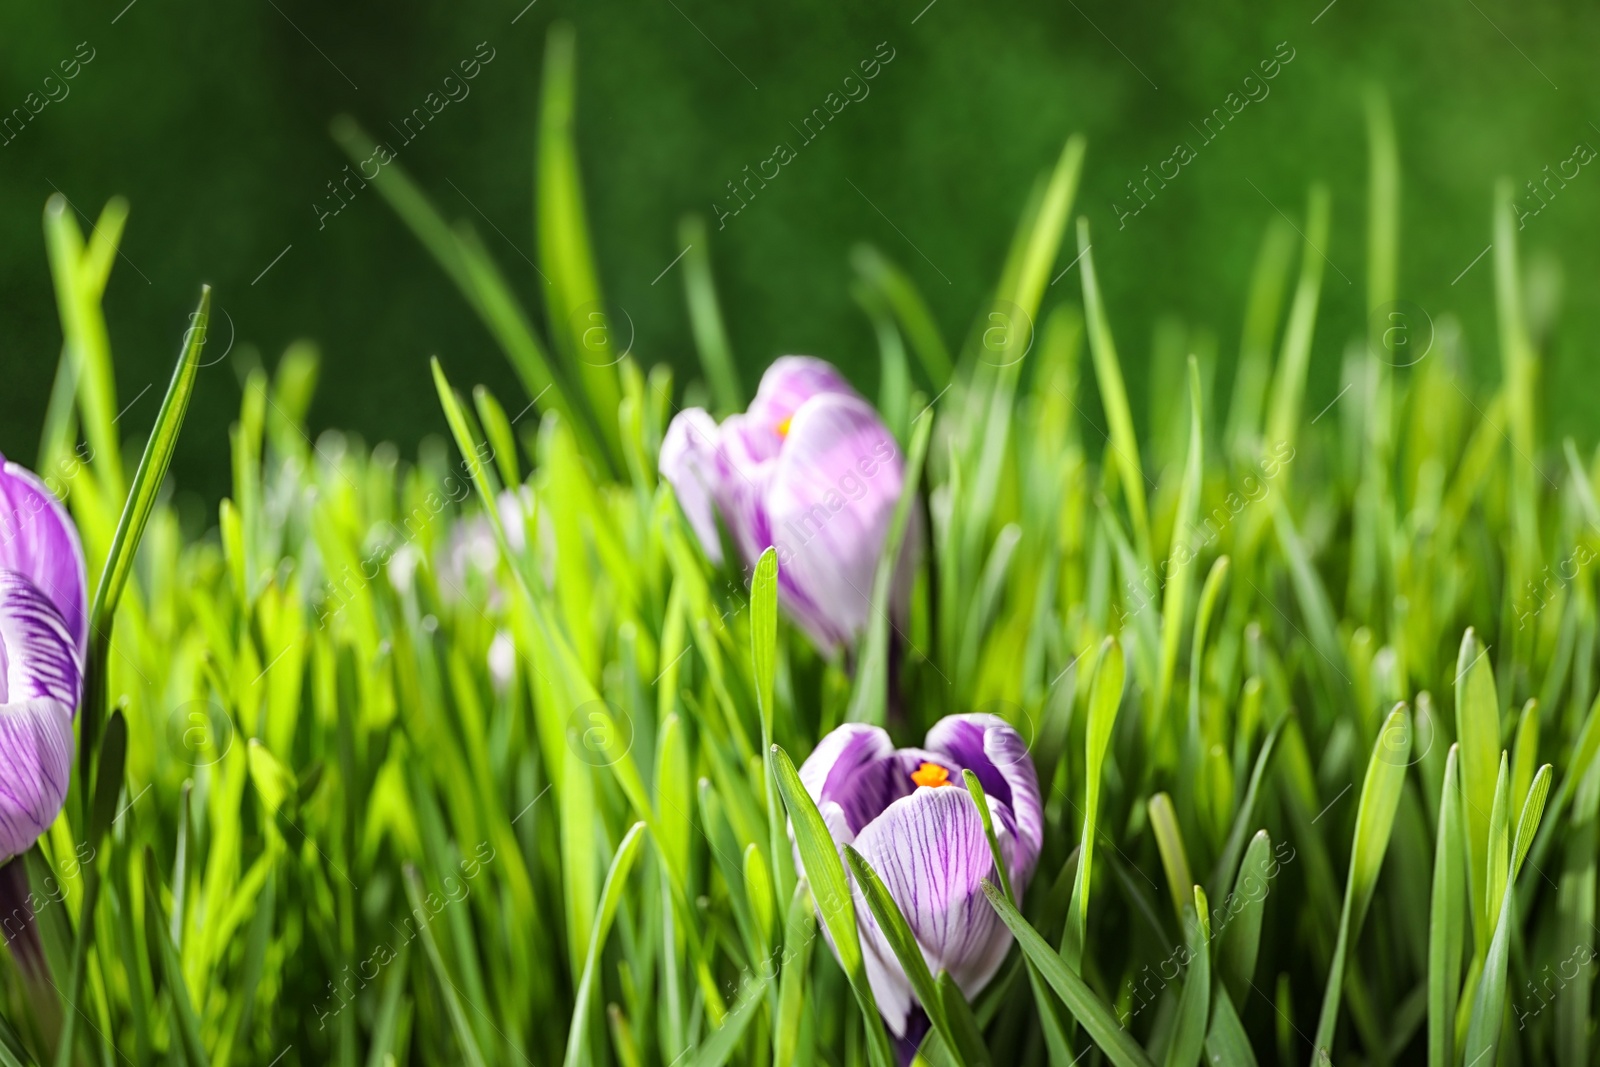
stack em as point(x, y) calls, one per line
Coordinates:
point(1289, 384)
point(1090, 1011)
point(1105, 697)
point(904, 945)
point(705, 318)
point(1194, 1003)
point(1175, 600)
point(1380, 796)
point(1124, 444)
point(1447, 928)
point(1478, 734)
point(1174, 859)
point(610, 899)
point(1239, 940)
point(870, 700)
point(831, 890)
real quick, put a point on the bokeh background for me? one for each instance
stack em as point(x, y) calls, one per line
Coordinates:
point(213, 120)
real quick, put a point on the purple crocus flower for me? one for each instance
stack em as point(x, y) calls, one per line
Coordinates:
point(809, 469)
point(44, 629)
point(910, 816)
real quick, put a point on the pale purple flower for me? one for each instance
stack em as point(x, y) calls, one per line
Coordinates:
point(809, 469)
point(908, 812)
point(44, 629)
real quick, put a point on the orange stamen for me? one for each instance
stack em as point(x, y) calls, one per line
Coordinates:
point(783, 427)
point(931, 775)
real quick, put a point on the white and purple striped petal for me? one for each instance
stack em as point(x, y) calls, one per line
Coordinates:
point(689, 460)
point(829, 503)
point(931, 852)
point(39, 541)
point(35, 768)
point(909, 815)
point(992, 749)
point(810, 470)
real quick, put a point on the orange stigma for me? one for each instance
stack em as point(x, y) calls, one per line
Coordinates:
point(783, 427)
point(931, 775)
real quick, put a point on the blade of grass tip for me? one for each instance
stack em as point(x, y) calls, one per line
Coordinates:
point(1478, 735)
point(1289, 384)
point(870, 700)
point(1194, 1003)
point(83, 327)
point(915, 318)
point(892, 922)
point(831, 890)
point(1239, 939)
point(1380, 797)
point(610, 897)
point(705, 317)
point(764, 658)
point(1488, 1011)
point(577, 317)
point(103, 806)
point(497, 429)
point(1105, 697)
point(1124, 443)
point(130, 527)
point(1174, 860)
point(1175, 597)
point(1091, 1012)
point(1446, 919)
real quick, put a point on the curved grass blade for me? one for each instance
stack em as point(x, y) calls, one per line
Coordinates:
point(1124, 444)
point(1105, 697)
point(831, 890)
point(130, 527)
point(1091, 1012)
point(1380, 796)
point(717, 1048)
point(1239, 940)
point(1175, 599)
point(610, 898)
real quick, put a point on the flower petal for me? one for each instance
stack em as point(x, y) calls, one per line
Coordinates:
point(829, 503)
point(689, 461)
point(857, 768)
point(39, 657)
point(39, 540)
point(993, 750)
point(931, 852)
point(788, 384)
point(35, 766)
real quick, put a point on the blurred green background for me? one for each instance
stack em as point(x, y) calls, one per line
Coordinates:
point(213, 120)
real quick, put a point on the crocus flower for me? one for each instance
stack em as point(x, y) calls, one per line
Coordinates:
point(809, 469)
point(44, 629)
point(908, 812)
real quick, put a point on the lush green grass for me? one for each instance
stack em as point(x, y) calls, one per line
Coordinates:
point(408, 779)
